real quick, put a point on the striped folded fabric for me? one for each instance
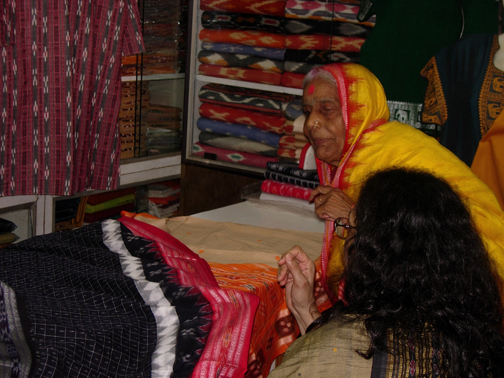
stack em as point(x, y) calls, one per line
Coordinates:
point(284, 189)
point(240, 21)
point(243, 74)
point(271, 123)
point(293, 142)
point(292, 79)
point(221, 154)
point(240, 61)
point(245, 98)
point(283, 178)
point(320, 56)
point(324, 42)
point(299, 67)
point(340, 28)
point(327, 11)
point(294, 110)
point(239, 131)
point(237, 48)
point(245, 37)
point(236, 144)
point(267, 7)
point(292, 169)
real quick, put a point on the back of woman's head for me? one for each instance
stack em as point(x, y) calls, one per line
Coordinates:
point(417, 260)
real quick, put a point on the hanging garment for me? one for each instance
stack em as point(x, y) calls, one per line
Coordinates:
point(465, 93)
point(61, 93)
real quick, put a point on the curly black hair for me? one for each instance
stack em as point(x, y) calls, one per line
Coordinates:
point(416, 262)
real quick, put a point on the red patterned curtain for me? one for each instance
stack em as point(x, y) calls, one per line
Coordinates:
point(60, 93)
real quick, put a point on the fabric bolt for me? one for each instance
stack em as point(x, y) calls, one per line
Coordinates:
point(237, 130)
point(299, 124)
point(293, 143)
point(323, 42)
point(61, 94)
point(279, 177)
point(327, 11)
point(239, 21)
point(236, 143)
point(287, 190)
point(298, 67)
point(287, 153)
point(271, 123)
point(464, 93)
point(292, 79)
point(267, 7)
point(294, 109)
point(236, 48)
point(320, 56)
point(293, 169)
point(373, 143)
point(252, 99)
point(118, 201)
point(307, 26)
point(240, 61)
point(244, 74)
point(112, 213)
point(244, 37)
point(221, 154)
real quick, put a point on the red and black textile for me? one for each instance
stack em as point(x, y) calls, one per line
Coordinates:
point(348, 29)
point(292, 79)
point(240, 21)
point(280, 177)
point(272, 123)
point(267, 7)
point(323, 42)
point(320, 56)
point(245, 37)
point(292, 169)
point(240, 61)
point(89, 318)
point(245, 98)
point(62, 93)
point(221, 154)
point(244, 74)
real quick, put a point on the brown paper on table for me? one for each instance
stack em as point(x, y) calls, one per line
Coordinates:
point(232, 243)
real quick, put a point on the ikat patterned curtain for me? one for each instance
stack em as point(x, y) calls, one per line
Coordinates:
point(60, 93)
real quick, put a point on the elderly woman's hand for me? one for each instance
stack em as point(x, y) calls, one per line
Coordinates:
point(297, 273)
point(330, 203)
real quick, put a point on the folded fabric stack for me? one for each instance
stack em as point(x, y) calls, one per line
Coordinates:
point(163, 129)
point(286, 182)
point(161, 34)
point(164, 199)
point(134, 101)
point(277, 42)
point(241, 125)
point(109, 204)
point(7, 236)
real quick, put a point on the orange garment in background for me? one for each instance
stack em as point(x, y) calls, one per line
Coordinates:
point(488, 163)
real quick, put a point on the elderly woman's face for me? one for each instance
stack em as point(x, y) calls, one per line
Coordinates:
point(324, 125)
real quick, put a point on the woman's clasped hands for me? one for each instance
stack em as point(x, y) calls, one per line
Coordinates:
point(296, 273)
point(330, 203)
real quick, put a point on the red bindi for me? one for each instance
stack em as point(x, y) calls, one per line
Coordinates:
point(311, 89)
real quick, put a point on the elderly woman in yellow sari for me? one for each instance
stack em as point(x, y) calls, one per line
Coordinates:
point(347, 124)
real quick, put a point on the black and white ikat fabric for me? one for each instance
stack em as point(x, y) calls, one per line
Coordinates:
point(97, 303)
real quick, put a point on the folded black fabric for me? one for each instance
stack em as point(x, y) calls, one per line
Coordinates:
point(241, 21)
point(338, 28)
point(293, 169)
point(280, 177)
point(320, 56)
point(6, 226)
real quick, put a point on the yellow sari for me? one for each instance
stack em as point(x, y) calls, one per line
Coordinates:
point(372, 143)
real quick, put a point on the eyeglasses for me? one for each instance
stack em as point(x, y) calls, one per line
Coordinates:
point(342, 228)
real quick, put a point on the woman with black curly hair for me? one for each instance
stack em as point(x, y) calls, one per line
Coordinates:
point(422, 298)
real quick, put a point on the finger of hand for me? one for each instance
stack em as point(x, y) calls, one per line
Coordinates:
point(294, 269)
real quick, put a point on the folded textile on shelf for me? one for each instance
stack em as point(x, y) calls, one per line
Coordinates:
point(280, 177)
point(283, 189)
point(267, 7)
point(236, 144)
point(292, 169)
point(340, 28)
point(292, 79)
point(252, 99)
point(244, 37)
point(240, 21)
point(271, 123)
point(240, 61)
point(237, 48)
point(328, 11)
point(221, 154)
point(245, 74)
point(320, 56)
point(237, 130)
point(323, 42)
